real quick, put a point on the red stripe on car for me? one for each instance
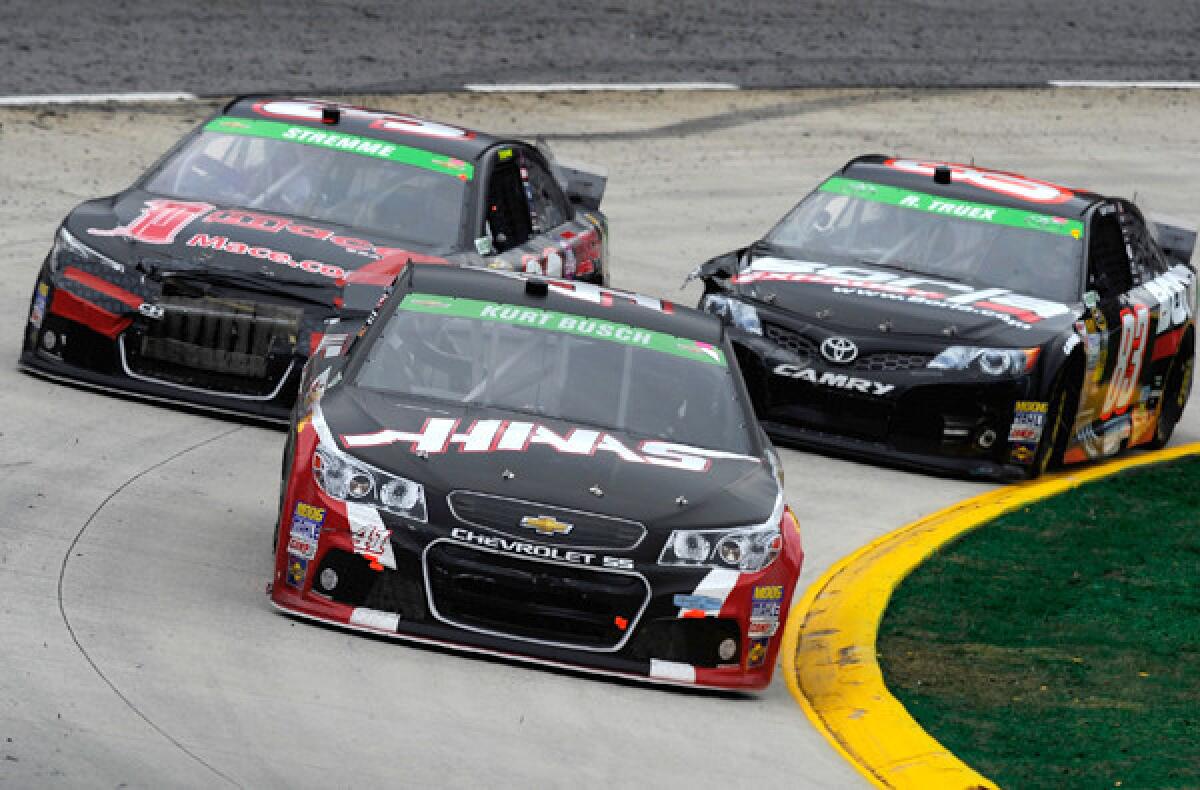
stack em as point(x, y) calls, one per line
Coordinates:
point(81, 311)
point(104, 287)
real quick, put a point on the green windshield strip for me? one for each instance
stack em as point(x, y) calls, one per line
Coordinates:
point(550, 321)
point(932, 204)
point(347, 143)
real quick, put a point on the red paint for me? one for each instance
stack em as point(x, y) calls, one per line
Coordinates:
point(104, 286)
point(1167, 344)
point(93, 316)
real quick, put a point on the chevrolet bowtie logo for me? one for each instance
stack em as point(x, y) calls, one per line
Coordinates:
point(546, 525)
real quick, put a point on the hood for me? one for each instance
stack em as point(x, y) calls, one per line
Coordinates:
point(138, 225)
point(640, 479)
point(861, 299)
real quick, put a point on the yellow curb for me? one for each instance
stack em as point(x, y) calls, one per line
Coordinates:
point(828, 649)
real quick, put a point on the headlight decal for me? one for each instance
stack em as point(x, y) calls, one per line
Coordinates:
point(991, 361)
point(346, 478)
point(746, 549)
point(732, 311)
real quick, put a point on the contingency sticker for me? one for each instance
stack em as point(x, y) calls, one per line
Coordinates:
point(757, 654)
point(38, 311)
point(551, 321)
point(1029, 419)
point(302, 541)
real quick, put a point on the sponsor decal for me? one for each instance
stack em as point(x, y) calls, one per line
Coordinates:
point(303, 538)
point(569, 323)
point(835, 380)
point(1009, 184)
point(1023, 453)
point(269, 223)
point(1070, 343)
point(159, 221)
point(757, 653)
point(763, 630)
point(344, 143)
point(540, 551)
point(438, 434)
point(702, 603)
point(369, 536)
point(546, 525)
point(1017, 310)
point(1029, 418)
point(765, 604)
point(1170, 292)
point(222, 244)
point(38, 312)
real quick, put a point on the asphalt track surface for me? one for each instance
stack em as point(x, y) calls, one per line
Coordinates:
point(223, 46)
point(138, 646)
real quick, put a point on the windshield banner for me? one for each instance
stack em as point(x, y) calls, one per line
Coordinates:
point(551, 321)
point(932, 204)
point(347, 143)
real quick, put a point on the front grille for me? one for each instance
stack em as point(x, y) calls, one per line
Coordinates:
point(587, 530)
point(807, 349)
point(215, 343)
point(789, 340)
point(538, 601)
point(891, 360)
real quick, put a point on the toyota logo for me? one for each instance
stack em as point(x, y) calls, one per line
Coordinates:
point(840, 350)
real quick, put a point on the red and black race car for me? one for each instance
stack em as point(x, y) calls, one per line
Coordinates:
point(962, 320)
point(541, 469)
point(209, 281)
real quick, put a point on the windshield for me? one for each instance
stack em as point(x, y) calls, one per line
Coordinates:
point(558, 365)
point(860, 222)
point(362, 186)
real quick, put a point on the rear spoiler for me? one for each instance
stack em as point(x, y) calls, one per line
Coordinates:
point(583, 183)
point(1176, 237)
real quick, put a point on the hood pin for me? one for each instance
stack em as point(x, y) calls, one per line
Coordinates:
point(508, 474)
point(597, 490)
point(681, 501)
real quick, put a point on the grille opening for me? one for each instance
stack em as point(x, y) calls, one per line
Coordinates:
point(225, 344)
point(538, 601)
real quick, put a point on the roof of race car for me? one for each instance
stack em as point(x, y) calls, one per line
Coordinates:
point(439, 138)
point(974, 184)
point(565, 296)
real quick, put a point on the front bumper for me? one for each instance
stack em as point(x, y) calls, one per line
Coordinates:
point(945, 422)
point(79, 335)
point(437, 584)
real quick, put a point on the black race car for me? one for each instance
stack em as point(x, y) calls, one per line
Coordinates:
point(541, 469)
point(962, 320)
point(210, 280)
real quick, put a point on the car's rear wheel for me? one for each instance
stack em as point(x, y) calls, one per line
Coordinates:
point(1175, 394)
point(1060, 417)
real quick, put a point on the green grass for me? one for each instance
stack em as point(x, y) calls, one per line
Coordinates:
point(1059, 646)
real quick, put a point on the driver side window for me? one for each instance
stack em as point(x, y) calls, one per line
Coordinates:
point(1109, 272)
point(507, 220)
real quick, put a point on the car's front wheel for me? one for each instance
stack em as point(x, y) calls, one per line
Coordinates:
point(1060, 417)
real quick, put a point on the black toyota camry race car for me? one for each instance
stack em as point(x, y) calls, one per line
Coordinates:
point(962, 320)
point(539, 469)
point(209, 281)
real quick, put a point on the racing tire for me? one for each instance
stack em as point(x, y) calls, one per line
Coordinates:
point(1060, 417)
point(1175, 394)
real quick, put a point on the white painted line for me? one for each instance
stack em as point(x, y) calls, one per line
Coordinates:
point(584, 87)
point(1152, 84)
point(92, 98)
